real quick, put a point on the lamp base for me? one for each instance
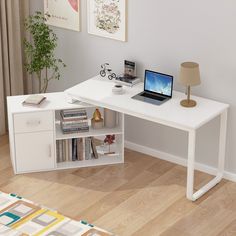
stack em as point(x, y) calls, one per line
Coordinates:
point(188, 103)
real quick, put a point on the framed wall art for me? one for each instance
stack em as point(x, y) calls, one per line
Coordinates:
point(107, 18)
point(63, 13)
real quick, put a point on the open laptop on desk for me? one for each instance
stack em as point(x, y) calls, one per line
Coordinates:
point(157, 88)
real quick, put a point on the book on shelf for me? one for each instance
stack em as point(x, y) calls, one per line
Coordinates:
point(75, 130)
point(34, 100)
point(74, 149)
point(70, 114)
point(87, 148)
point(70, 149)
point(82, 149)
point(74, 121)
point(94, 149)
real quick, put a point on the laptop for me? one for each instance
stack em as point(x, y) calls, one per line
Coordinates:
point(157, 88)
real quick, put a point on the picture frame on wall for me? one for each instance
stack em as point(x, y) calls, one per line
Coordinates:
point(63, 13)
point(108, 18)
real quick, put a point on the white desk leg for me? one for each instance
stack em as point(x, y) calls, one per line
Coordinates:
point(222, 143)
point(191, 158)
point(191, 161)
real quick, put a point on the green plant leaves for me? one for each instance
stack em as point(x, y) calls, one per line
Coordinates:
point(40, 52)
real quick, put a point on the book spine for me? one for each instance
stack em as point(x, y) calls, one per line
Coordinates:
point(67, 149)
point(74, 149)
point(72, 122)
point(83, 145)
point(72, 111)
point(94, 149)
point(87, 148)
point(64, 151)
point(80, 125)
point(60, 151)
point(70, 149)
point(79, 130)
point(72, 118)
point(80, 149)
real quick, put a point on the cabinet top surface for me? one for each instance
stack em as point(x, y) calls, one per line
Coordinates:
point(54, 101)
point(98, 91)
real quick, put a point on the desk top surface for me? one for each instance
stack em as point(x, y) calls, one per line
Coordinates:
point(54, 101)
point(98, 91)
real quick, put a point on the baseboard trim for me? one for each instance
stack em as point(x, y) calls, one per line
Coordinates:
point(177, 160)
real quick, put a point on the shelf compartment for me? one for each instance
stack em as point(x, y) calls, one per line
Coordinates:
point(92, 133)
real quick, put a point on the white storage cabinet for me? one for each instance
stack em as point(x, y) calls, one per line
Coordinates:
point(33, 132)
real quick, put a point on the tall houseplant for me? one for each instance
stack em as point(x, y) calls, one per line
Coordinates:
point(40, 58)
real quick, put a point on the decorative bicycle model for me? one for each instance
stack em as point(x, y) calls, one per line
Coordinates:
point(107, 71)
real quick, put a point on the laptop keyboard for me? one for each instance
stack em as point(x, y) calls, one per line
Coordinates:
point(148, 95)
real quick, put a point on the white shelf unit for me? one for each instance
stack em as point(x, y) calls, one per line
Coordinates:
point(33, 133)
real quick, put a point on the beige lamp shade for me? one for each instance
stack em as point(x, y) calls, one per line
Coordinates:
point(189, 74)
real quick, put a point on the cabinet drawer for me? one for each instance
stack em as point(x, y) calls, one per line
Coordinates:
point(33, 122)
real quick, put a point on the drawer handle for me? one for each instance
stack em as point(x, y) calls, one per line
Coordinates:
point(33, 122)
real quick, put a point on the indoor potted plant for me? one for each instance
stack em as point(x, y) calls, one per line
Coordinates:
point(40, 58)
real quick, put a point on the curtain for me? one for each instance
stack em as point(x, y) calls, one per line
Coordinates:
point(13, 77)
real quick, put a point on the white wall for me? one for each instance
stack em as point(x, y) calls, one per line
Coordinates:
point(161, 35)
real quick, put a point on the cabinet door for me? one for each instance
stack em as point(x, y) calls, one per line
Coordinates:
point(34, 151)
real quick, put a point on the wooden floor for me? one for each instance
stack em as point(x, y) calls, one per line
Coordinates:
point(145, 196)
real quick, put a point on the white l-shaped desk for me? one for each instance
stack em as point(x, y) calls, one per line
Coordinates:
point(98, 91)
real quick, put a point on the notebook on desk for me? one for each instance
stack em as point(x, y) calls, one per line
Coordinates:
point(157, 88)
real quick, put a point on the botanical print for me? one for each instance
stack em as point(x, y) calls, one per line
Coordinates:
point(107, 18)
point(107, 15)
point(63, 13)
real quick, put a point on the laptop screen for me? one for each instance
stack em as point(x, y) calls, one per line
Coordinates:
point(158, 83)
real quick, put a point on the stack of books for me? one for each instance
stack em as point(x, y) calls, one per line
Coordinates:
point(76, 149)
point(74, 121)
point(34, 100)
point(128, 78)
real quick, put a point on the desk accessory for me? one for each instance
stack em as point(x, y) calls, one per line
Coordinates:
point(109, 118)
point(97, 120)
point(130, 68)
point(33, 100)
point(189, 76)
point(107, 71)
point(128, 78)
point(110, 139)
point(118, 89)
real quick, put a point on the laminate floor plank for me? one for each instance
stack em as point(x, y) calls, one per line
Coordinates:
point(145, 196)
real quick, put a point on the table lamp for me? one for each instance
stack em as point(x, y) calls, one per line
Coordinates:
point(189, 76)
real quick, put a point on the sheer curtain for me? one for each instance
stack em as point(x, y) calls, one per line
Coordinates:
point(13, 78)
